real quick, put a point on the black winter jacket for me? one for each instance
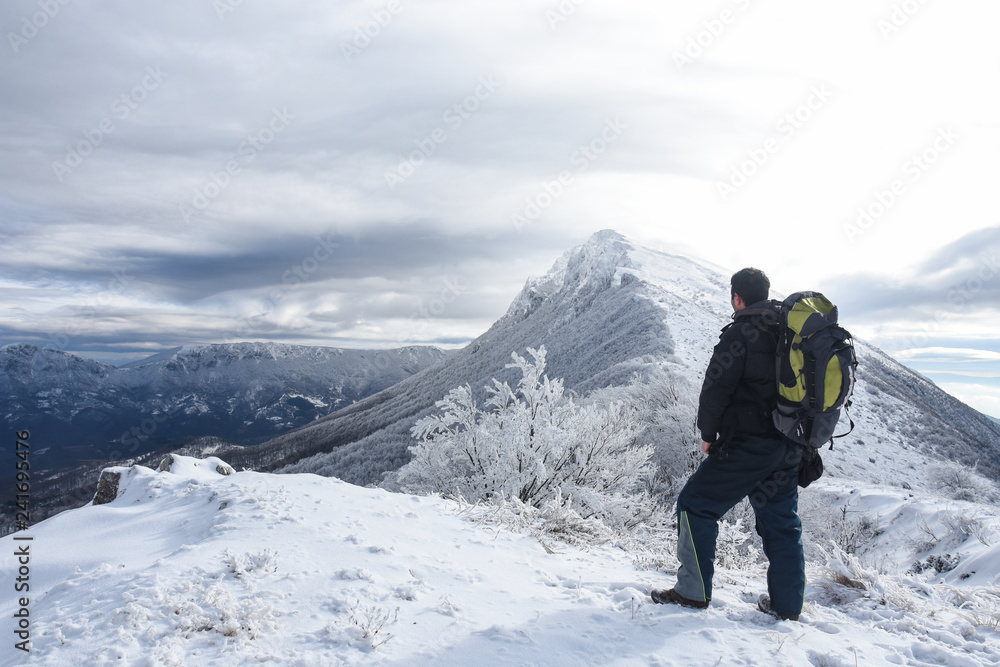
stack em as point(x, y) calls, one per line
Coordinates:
point(740, 390)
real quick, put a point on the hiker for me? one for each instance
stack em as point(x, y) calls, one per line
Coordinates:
point(747, 457)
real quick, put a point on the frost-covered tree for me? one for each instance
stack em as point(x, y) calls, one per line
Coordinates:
point(666, 407)
point(961, 482)
point(536, 444)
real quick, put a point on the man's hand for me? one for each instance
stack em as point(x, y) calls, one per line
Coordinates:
point(705, 446)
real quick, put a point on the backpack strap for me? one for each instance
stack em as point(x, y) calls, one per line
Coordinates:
point(770, 312)
point(847, 412)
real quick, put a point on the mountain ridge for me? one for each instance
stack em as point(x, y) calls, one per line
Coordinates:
point(610, 311)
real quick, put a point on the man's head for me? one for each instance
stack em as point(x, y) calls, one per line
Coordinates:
point(750, 285)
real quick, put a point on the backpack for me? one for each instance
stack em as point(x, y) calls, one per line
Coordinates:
point(815, 370)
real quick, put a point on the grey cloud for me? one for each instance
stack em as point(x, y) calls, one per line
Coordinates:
point(962, 276)
point(874, 296)
point(381, 102)
point(223, 76)
point(974, 255)
point(398, 272)
point(252, 260)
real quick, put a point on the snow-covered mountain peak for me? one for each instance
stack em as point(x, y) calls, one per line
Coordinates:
point(583, 269)
point(26, 360)
point(242, 351)
point(608, 259)
point(192, 357)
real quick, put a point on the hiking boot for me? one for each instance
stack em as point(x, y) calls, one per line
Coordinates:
point(673, 597)
point(764, 604)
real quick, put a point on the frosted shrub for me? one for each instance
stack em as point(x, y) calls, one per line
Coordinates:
point(367, 624)
point(852, 530)
point(197, 608)
point(666, 407)
point(555, 519)
point(961, 527)
point(362, 627)
point(936, 563)
point(984, 607)
point(846, 579)
point(855, 534)
point(247, 564)
point(559, 520)
point(735, 550)
point(961, 482)
point(536, 445)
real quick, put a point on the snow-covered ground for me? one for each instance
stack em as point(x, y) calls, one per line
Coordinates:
point(190, 567)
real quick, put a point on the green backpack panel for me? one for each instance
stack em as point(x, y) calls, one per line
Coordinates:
point(816, 366)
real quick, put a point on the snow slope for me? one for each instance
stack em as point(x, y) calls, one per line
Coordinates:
point(189, 567)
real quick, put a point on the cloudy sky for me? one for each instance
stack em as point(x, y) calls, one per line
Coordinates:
point(386, 172)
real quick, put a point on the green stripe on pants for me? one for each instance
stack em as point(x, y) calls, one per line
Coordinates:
point(690, 583)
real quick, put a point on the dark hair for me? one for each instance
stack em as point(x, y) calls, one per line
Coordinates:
point(751, 284)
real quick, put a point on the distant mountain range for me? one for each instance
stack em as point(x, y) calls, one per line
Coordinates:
point(82, 412)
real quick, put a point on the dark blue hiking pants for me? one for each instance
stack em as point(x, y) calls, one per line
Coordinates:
point(764, 469)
